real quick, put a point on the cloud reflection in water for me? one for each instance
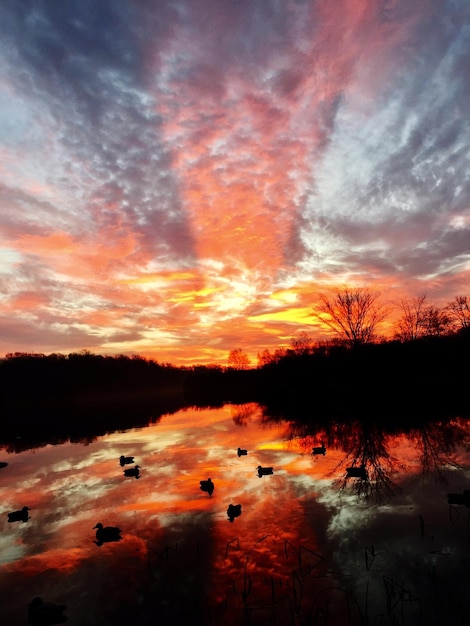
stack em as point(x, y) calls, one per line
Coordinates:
point(301, 544)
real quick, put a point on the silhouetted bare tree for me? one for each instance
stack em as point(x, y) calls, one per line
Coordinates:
point(266, 357)
point(459, 312)
point(436, 321)
point(420, 319)
point(410, 325)
point(353, 313)
point(302, 343)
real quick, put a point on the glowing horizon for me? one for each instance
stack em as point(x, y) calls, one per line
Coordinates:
point(182, 180)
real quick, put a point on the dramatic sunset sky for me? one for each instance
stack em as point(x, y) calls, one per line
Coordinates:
point(180, 178)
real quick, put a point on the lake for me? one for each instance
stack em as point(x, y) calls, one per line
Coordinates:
point(311, 545)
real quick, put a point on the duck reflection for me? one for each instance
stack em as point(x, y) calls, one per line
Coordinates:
point(233, 511)
point(44, 613)
point(126, 460)
point(133, 471)
point(207, 486)
point(19, 516)
point(106, 534)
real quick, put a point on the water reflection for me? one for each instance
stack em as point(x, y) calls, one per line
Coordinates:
point(374, 456)
point(306, 545)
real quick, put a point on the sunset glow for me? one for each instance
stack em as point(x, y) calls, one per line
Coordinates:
point(183, 178)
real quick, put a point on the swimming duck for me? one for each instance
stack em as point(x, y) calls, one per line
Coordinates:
point(3, 464)
point(133, 471)
point(233, 511)
point(356, 472)
point(126, 460)
point(106, 534)
point(207, 485)
point(242, 452)
point(264, 471)
point(19, 516)
point(44, 613)
point(459, 498)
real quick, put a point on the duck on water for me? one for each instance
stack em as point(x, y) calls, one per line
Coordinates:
point(207, 486)
point(106, 534)
point(19, 516)
point(44, 613)
point(264, 471)
point(233, 511)
point(133, 471)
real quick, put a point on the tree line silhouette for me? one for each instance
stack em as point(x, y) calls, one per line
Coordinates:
point(80, 396)
point(420, 371)
point(388, 380)
point(418, 374)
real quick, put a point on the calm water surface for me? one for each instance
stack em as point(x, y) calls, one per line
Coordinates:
point(310, 546)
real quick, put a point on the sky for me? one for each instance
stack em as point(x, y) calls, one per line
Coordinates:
point(180, 178)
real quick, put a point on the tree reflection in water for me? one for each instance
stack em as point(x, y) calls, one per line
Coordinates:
point(298, 554)
point(367, 445)
point(242, 413)
point(437, 443)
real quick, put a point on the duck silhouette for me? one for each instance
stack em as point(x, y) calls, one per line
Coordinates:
point(358, 471)
point(19, 516)
point(126, 460)
point(44, 613)
point(242, 452)
point(319, 450)
point(106, 534)
point(233, 511)
point(459, 498)
point(3, 464)
point(264, 471)
point(207, 486)
point(133, 471)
